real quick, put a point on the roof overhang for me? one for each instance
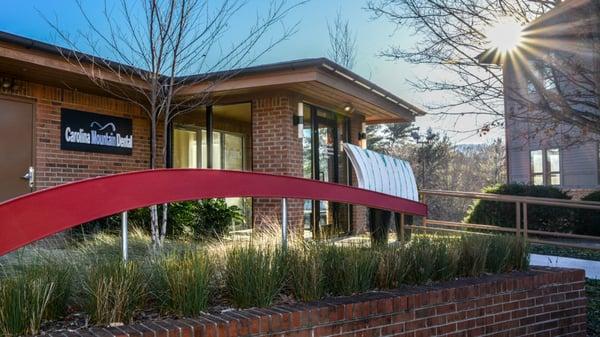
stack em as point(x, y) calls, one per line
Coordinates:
point(317, 79)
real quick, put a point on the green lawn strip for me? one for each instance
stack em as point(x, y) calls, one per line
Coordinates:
point(593, 292)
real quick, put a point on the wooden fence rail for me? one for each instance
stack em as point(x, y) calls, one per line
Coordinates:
point(521, 219)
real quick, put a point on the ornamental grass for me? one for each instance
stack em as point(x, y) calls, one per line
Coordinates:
point(184, 279)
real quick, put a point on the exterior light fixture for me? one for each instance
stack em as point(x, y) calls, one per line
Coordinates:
point(348, 108)
point(362, 136)
point(298, 119)
point(7, 83)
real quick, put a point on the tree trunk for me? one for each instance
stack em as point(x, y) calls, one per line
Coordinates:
point(154, 230)
point(163, 229)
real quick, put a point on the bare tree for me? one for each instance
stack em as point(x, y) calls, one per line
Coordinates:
point(452, 36)
point(155, 45)
point(342, 41)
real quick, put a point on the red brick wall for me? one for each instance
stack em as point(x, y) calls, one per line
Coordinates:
point(359, 213)
point(277, 149)
point(55, 166)
point(543, 302)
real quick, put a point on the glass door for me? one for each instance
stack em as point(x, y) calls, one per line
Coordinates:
point(325, 212)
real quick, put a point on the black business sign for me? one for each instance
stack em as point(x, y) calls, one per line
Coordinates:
point(90, 132)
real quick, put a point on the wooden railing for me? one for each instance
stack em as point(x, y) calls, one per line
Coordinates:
point(521, 219)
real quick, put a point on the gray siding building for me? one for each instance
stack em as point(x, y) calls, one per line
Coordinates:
point(542, 149)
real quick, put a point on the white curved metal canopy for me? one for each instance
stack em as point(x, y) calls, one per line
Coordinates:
point(382, 173)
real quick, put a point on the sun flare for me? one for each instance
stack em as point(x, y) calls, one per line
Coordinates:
point(505, 35)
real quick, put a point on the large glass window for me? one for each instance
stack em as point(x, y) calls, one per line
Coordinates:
point(231, 136)
point(545, 167)
point(553, 163)
point(537, 167)
point(186, 149)
point(233, 149)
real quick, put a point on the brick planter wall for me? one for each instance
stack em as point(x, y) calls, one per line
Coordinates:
point(542, 302)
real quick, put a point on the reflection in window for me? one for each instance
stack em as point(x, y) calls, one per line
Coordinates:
point(216, 151)
point(185, 149)
point(233, 148)
point(542, 73)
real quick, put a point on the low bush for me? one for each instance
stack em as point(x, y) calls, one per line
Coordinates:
point(254, 275)
point(209, 218)
point(215, 218)
point(114, 291)
point(546, 218)
point(588, 221)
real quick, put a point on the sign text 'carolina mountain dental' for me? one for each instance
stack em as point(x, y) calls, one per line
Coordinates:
point(90, 132)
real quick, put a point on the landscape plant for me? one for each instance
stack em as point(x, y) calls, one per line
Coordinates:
point(306, 272)
point(114, 290)
point(187, 282)
point(184, 279)
point(545, 218)
point(23, 303)
point(588, 221)
point(254, 275)
point(349, 269)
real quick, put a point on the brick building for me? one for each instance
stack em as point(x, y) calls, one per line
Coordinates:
point(288, 118)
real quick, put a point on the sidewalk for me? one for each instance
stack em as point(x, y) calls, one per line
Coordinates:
point(592, 268)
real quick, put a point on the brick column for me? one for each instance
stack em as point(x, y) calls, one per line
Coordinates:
point(276, 149)
point(359, 213)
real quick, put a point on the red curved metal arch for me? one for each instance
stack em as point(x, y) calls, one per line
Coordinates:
point(37, 215)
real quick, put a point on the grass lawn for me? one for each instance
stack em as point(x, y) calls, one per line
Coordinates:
point(593, 292)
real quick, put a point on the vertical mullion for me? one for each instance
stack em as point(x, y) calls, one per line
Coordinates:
point(316, 204)
point(169, 137)
point(209, 136)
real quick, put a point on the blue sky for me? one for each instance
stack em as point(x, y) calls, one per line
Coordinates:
point(23, 17)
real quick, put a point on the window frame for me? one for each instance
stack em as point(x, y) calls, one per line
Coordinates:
point(199, 129)
point(546, 173)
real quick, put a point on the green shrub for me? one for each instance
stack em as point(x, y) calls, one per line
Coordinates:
point(209, 218)
point(23, 303)
point(546, 218)
point(216, 218)
point(349, 269)
point(306, 272)
point(588, 221)
point(114, 291)
point(254, 276)
point(186, 283)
